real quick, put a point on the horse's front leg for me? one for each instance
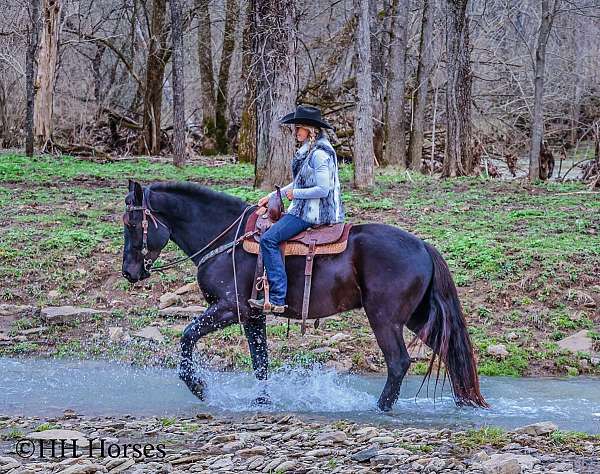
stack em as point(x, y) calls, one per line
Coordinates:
point(215, 317)
point(256, 334)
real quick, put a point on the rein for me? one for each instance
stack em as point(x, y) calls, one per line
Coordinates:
point(147, 212)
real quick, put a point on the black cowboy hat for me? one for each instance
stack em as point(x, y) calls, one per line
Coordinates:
point(306, 115)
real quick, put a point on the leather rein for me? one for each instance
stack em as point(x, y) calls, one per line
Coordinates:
point(147, 212)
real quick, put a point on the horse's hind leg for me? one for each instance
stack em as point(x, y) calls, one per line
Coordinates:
point(215, 317)
point(388, 332)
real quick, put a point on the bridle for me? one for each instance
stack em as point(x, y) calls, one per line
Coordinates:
point(147, 212)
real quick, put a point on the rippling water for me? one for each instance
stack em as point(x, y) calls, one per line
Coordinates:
point(46, 387)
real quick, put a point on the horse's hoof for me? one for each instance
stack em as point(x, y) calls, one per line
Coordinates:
point(197, 387)
point(384, 406)
point(262, 400)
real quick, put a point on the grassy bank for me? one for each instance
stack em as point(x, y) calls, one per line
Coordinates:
point(526, 259)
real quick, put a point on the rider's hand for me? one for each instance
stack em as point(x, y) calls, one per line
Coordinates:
point(263, 201)
point(290, 194)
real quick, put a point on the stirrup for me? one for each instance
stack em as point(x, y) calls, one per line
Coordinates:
point(267, 307)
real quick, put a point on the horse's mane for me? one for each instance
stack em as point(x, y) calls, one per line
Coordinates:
point(196, 191)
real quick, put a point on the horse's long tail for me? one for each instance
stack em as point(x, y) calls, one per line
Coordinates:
point(445, 331)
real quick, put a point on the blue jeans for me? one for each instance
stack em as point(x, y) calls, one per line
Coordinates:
point(283, 229)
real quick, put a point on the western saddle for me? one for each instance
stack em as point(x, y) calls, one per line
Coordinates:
point(322, 239)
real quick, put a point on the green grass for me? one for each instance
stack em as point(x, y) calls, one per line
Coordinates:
point(487, 435)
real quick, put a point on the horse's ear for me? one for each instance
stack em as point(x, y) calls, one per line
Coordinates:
point(138, 193)
point(131, 184)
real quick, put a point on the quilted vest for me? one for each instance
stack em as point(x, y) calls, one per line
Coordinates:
point(325, 210)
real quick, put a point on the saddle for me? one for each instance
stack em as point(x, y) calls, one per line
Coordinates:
point(323, 239)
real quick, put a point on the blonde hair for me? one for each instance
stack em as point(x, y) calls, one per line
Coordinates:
point(313, 133)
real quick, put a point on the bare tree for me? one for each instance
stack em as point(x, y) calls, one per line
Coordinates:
point(32, 43)
point(395, 141)
point(548, 13)
point(231, 16)
point(458, 160)
point(205, 66)
point(179, 151)
point(246, 149)
point(46, 71)
point(274, 65)
point(415, 146)
point(364, 155)
point(153, 88)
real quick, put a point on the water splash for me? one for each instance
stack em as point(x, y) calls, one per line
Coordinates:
point(302, 390)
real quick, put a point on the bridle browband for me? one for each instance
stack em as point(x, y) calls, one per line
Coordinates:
point(147, 211)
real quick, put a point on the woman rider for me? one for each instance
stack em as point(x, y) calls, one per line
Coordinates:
point(314, 194)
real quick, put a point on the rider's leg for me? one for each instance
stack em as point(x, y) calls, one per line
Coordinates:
point(283, 229)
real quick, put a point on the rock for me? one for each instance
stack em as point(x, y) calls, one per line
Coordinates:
point(395, 451)
point(383, 459)
point(364, 455)
point(151, 333)
point(53, 294)
point(560, 466)
point(84, 469)
point(286, 466)
point(273, 465)
point(57, 434)
point(115, 334)
point(502, 464)
point(419, 351)
point(232, 446)
point(67, 314)
point(190, 287)
point(595, 361)
point(339, 337)
point(29, 332)
point(123, 466)
point(382, 439)
point(343, 365)
point(8, 463)
point(186, 312)
point(319, 453)
point(512, 336)
point(578, 342)
point(537, 429)
point(497, 350)
point(253, 451)
point(222, 462)
point(481, 456)
point(168, 299)
point(436, 464)
point(18, 311)
point(334, 436)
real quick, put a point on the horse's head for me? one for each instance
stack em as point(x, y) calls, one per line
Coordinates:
point(145, 234)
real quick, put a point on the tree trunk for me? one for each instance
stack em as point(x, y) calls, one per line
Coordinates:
point(458, 160)
point(274, 46)
point(537, 126)
point(363, 123)
point(155, 71)
point(205, 66)
point(395, 141)
point(415, 146)
point(378, 78)
point(32, 43)
point(246, 149)
point(231, 16)
point(46, 71)
point(178, 94)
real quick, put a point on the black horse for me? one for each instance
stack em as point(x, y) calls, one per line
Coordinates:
point(396, 277)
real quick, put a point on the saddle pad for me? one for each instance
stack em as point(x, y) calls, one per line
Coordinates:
point(296, 248)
